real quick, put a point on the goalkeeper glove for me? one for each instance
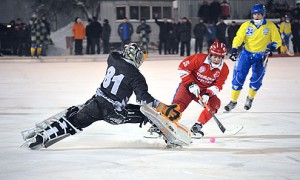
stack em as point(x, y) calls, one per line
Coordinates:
point(170, 112)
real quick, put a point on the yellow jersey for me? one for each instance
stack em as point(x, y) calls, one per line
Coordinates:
point(257, 39)
point(285, 27)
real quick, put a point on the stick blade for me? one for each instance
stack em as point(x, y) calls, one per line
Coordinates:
point(234, 130)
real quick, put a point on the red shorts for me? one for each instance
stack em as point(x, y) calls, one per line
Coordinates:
point(183, 98)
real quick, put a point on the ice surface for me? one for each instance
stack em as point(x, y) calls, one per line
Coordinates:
point(267, 148)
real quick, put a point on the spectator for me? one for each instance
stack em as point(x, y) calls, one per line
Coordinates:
point(214, 11)
point(185, 33)
point(173, 37)
point(22, 36)
point(203, 11)
point(296, 11)
point(88, 33)
point(106, 36)
point(199, 32)
point(96, 31)
point(221, 31)
point(125, 31)
point(164, 29)
point(144, 30)
point(78, 32)
point(210, 35)
point(296, 35)
point(231, 32)
point(225, 9)
point(47, 35)
point(38, 33)
point(12, 34)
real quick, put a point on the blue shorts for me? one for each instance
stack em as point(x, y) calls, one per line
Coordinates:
point(244, 62)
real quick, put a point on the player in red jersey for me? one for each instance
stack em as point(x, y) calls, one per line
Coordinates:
point(204, 75)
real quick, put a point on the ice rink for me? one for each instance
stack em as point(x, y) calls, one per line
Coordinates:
point(268, 147)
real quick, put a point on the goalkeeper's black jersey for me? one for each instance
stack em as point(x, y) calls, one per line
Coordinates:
point(122, 79)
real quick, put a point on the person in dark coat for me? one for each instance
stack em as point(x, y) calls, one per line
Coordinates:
point(106, 36)
point(13, 39)
point(22, 36)
point(214, 11)
point(203, 11)
point(296, 35)
point(96, 31)
point(199, 32)
point(88, 32)
point(125, 31)
point(185, 33)
point(164, 28)
point(221, 31)
point(231, 32)
point(173, 37)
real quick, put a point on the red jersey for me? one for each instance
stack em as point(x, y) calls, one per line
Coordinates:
point(197, 68)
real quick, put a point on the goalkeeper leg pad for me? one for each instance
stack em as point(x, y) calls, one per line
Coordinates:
point(48, 132)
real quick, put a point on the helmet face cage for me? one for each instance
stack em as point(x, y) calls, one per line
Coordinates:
point(133, 52)
point(258, 9)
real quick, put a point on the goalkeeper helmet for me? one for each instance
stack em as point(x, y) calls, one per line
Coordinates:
point(217, 49)
point(258, 9)
point(134, 53)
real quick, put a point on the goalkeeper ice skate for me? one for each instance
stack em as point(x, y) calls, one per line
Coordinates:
point(153, 132)
point(49, 131)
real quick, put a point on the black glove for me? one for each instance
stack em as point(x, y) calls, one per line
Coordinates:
point(270, 48)
point(233, 55)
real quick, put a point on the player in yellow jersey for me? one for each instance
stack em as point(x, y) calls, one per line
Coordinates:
point(260, 37)
point(286, 30)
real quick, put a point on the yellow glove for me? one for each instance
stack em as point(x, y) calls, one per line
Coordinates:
point(170, 112)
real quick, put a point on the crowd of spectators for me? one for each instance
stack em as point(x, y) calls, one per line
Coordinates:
point(21, 39)
point(174, 37)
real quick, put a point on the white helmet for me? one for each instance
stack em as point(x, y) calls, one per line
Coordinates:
point(134, 53)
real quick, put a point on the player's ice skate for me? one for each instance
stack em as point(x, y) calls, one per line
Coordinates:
point(174, 134)
point(231, 105)
point(248, 103)
point(196, 131)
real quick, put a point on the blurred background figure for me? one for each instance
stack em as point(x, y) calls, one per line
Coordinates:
point(144, 30)
point(38, 34)
point(78, 31)
point(125, 31)
point(185, 34)
point(96, 31)
point(47, 40)
point(106, 36)
point(199, 32)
